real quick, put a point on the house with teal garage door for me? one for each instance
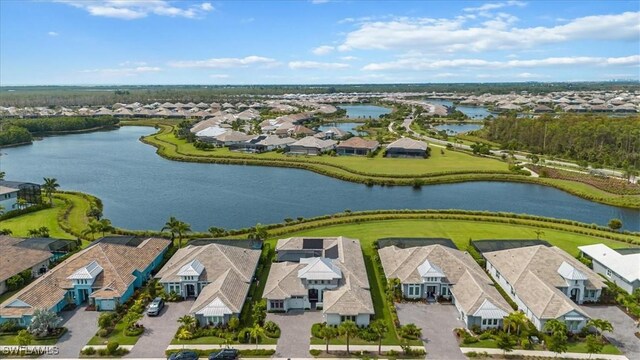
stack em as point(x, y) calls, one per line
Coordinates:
point(103, 275)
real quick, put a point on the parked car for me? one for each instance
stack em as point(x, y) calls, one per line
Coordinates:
point(224, 354)
point(184, 355)
point(155, 307)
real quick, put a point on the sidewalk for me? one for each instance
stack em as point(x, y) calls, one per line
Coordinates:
point(221, 346)
point(549, 354)
point(371, 348)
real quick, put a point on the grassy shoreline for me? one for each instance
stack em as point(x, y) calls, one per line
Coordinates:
point(376, 171)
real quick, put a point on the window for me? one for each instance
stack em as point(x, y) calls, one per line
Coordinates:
point(497, 275)
point(348, 317)
point(413, 290)
point(277, 304)
point(609, 273)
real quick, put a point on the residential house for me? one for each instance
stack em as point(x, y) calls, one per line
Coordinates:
point(298, 131)
point(407, 147)
point(263, 143)
point(357, 146)
point(31, 193)
point(217, 276)
point(314, 273)
point(103, 275)
point(432, 271)
point(16, 259)
point(311, 146)
point(8, 198)
point(620, 266)
point(56, 247)
point(333, 133)
point(546, 283)
point(230, 137)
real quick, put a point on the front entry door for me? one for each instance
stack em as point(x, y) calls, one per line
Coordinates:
point(191, 290)
point(313, 295)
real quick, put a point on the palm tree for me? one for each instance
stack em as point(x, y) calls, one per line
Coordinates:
point(327, 333)
point(380, 329)
point(188, 322)
point(601, 325)
point(176, 227)
point(516, 320)
point(104, 226)
point(92, 228)
point(348, 329)
point(50, 185)
point(256, 332)
point(555, 327)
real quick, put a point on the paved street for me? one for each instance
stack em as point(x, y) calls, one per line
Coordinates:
point(437, 323)
point(295, 332)
point(81, 326)
point(623, 329)
point(159, 330)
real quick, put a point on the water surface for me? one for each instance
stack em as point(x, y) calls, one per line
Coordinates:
point(364, 111)
point(140, 190)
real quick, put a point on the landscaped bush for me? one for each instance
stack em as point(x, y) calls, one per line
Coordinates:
point(244, 336)
point(112, 347)
point(469, 339)
point(88, 351)
point(134, 331)
point(315, 352)
point(10, 327)
point(272, 329)
point(485, 336)
point(315, 330)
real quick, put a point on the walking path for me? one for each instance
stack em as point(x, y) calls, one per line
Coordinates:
point(546, 354)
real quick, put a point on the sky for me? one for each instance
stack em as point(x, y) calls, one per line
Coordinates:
point(106, 42)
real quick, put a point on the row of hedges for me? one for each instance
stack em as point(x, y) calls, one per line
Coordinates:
point(19, 212)
point(243, 353)
point(63, 217)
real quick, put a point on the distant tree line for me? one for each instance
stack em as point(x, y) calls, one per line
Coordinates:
point(590, 139)
point(18, 131)
point(104, 95)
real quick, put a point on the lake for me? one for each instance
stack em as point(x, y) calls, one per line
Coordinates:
point(474, 112)
point(140, 190)
point(458, 128)
point(364, 111)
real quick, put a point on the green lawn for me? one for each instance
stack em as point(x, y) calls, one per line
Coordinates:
point(11, 340)
point(117, 335)
point(573, 347)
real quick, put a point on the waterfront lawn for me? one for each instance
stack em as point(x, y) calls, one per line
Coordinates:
point(437, 163)
point(76, 219)
point(47, 217)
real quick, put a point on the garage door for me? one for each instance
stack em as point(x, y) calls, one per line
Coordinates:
point(108, 305)
point(296, 303)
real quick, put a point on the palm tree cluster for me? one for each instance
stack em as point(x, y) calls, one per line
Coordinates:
point(176, 227)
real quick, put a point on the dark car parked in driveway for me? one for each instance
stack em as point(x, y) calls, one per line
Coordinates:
point(184, 355)
point(224, 354)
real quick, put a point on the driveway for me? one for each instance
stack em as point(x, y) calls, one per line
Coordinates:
point(623, 329)
point(159, 331)
point(295, 332)
point(81, 326)
point(437, 322)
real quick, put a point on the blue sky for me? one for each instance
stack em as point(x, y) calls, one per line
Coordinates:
point(316, 42)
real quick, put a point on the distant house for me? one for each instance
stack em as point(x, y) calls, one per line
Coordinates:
point(620, 266)
point(546, 283)
point(263, 143)
point(432, 271)
point(407, 147)
point(311, 146)
point(299, 131)
point(320, 272)
point(55, 247)
point(104, 275)
point(230, 137)
point(333, 133)
point(12, 191)
point(217, 276)
point(8, 198)
point(357, 146)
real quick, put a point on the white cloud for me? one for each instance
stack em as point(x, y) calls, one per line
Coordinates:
point(224, 63)
point(316, 2)
point(124, 71)
point(133, 63)
point(136, 9)
point(298, 65)
point(348, 58)
point(494, 6)
point(421, 64)
point(323, 50)
point(219, 76)
point(455, 35)
point(52, 33)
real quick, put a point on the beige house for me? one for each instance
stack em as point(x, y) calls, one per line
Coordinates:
point(326, 273)
point(546, 283)
point(217, 276)
point(15, 259)
point(432, 271)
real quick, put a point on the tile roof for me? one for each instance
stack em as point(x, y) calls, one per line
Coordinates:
point(118, 262)
point(15, 259)
point(359, 143)
point(408, 143)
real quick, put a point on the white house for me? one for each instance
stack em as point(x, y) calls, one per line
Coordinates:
point(320, 273)
point(217, 276)
point(546, 283)
point(431, 271)
point(8, 198)
point(621, 267)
